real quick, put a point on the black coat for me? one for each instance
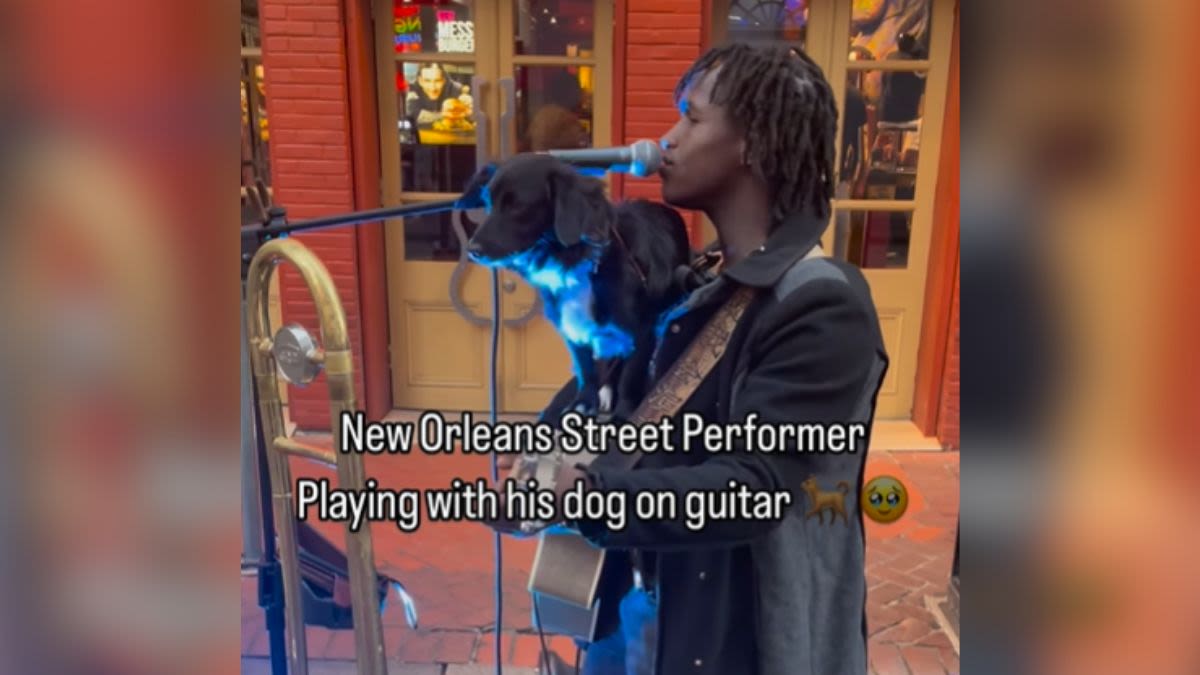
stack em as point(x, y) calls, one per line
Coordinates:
point(760, 597)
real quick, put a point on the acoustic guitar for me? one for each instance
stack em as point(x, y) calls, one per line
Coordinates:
point(565, 575)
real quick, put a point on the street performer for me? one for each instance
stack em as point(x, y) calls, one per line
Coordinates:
point(754, 150)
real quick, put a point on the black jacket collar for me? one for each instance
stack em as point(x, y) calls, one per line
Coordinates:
point(794, 238)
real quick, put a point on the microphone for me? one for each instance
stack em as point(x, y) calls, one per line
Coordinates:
point(640, 159)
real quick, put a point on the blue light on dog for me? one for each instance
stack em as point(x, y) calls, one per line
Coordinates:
point(572, 288)
point(553, 277)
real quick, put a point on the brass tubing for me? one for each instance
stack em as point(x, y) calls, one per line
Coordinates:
point(293, 447)
point(368, 625)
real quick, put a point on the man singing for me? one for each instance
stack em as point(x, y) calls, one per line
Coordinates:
point(754, 150)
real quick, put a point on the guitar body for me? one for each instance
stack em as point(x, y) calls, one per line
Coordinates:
point(564, 580)
point(566, 568)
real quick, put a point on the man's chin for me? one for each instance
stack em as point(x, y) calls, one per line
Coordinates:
point(680, 201)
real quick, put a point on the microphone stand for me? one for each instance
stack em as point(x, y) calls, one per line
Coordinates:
point(255, 479)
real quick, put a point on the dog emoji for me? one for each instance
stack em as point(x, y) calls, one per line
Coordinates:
point(835, 502)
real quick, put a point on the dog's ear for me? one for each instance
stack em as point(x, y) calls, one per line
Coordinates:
point(475, 194)
point(581, 211)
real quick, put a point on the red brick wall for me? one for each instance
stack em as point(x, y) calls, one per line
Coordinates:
point(305, 64)
point(662, 40)
point(948, 418)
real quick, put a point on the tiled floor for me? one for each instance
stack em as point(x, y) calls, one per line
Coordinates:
point(448, 568)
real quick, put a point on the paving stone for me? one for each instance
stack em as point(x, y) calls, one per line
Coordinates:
point(949, 659)
point(908, 631)
point(886, 660)
point(527, 651)
point(317, 639)
point(261, 645)
point(886, 593)
point(485, 649)
point(418, 647)
point(261, 666)
point(908, 561)
point(457, 669)
point(249, 636)
point(886, 573)
point(936, 639)
point(341, 646)
point(456, 647)
point(923, 660)
point(879, 618)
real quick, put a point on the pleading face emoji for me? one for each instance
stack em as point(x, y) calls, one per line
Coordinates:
point(884, 499)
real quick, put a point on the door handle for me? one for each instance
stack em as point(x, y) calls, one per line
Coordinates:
point(481, 158)
point(478, 84)
point(507, 132)
point(456, 299)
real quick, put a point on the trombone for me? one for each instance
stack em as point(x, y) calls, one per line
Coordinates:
point(300, 359)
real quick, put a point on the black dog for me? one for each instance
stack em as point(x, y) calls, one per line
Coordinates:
point(605, 272)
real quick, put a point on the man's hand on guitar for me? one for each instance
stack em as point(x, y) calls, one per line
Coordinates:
point(565, 479)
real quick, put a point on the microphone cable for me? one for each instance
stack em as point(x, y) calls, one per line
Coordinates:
point(497, 538)
point(497, 542)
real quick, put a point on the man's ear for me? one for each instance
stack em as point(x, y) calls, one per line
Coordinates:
point(581, 211)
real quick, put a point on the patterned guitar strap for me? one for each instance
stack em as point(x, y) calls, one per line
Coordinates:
point(664, 400)
point(690, 369)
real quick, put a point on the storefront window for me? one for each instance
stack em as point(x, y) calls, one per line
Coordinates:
point(554, 107)
point(256, 136)
point(764, 21)
point(881, 134)
point(889, 29)
point(882, 115)
point(553, 27)
point(873, 239)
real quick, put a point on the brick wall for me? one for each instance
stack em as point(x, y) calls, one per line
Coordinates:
point(305, 64)
point(948, 418)
point(662, 40)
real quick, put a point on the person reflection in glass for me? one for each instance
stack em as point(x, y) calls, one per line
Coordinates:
point(558, 123)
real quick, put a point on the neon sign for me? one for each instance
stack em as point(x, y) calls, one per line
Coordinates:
point(406, 25)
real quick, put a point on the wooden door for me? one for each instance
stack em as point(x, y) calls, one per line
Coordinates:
point(536, 81)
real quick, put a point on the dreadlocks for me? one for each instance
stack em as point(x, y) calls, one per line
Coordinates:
point(780, 100)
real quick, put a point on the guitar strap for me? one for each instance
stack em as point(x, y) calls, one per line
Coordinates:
point(689, 370)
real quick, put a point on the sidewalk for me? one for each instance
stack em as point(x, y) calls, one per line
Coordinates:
point(448, 568)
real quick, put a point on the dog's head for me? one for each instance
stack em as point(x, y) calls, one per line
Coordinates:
point(536, 201)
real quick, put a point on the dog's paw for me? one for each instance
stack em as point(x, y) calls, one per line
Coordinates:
point(605, 398)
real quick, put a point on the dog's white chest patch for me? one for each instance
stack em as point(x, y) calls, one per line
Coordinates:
point(578, 323)
point(572, 289)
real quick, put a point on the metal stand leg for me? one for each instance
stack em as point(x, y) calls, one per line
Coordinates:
point(258, 530)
